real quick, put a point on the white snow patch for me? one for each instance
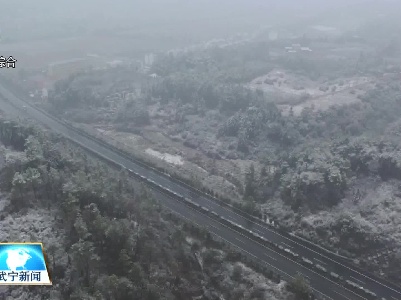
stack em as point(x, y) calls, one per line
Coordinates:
point(202, 169)
point(172, 159)
point(189, 240)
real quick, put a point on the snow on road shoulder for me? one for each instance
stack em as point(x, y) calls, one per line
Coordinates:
point(169, 158)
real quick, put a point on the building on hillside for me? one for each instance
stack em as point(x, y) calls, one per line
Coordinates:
point(145, 69)
point(174, 52)
point(296, 46)
point(306, 49)
point(45, 94)
point(66, 68)
point(290, 50)
point(149, 59)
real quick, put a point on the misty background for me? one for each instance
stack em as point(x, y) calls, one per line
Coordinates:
point(177, 21)
point(40, 32)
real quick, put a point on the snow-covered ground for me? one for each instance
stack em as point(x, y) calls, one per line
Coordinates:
point(172, 159)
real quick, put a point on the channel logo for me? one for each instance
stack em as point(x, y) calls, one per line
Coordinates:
point(23, 264)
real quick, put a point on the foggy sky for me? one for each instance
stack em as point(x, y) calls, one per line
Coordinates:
point(49, 19)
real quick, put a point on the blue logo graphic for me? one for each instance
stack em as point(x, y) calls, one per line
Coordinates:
point(22, 264)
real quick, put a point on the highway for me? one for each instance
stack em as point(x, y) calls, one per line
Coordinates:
point(275, 259)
